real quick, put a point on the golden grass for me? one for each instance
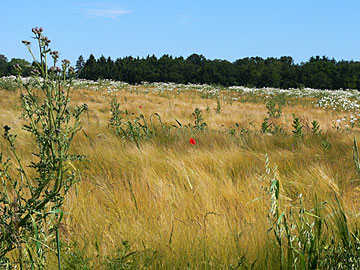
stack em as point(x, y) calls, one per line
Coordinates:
point(193, 203)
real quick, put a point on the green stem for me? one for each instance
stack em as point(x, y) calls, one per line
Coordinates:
point(35, 60)
point(58, 247)
point(20, 257)
point(22, 171)
point(41, 57)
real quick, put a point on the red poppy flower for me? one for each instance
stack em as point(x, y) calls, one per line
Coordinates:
point(140, 106)
point(192, 141)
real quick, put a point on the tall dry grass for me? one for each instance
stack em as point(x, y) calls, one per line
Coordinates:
point(181, 205)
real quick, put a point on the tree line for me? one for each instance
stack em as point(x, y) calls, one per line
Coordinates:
point(7, 68)
point(318, 72)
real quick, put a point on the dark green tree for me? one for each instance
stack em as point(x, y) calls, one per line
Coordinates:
point(89, 70)
point(24, 65)
point(80, 63)
point(3, 65)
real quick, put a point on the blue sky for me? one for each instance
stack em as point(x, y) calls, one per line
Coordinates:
point(221, 29)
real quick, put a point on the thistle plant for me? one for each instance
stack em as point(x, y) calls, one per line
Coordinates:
point(298, 126)
point(207, 108)
point(274, 109)
point(200, 125)
point(266, 126)
point(134, 129)
point(218, 107)
point(31, 195)
point(116, 115)
point(315, 128)
point(270, 127)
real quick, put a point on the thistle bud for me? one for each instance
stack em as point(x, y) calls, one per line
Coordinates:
point(35, 72)
point(41, 29)
point(58, 69)
point(55, 54)
point(7, 128)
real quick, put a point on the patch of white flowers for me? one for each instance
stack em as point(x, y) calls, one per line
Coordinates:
point(340, 103)
point(334, 100)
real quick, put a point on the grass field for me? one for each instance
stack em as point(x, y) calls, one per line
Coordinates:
point(152, 200)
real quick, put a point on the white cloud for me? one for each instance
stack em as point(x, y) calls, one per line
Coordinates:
point(107, 10)
point(185, 20)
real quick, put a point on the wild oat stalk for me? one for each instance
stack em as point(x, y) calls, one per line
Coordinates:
point(356, 156)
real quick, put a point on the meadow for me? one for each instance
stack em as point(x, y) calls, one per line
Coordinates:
point(206, 177)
